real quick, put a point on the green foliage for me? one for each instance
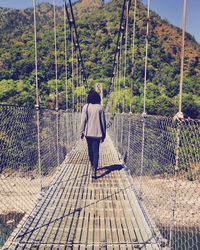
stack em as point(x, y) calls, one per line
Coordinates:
point(191, 105)
point(18, 138)
point(16, 92)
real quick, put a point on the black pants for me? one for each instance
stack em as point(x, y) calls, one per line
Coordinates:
point(93, 150)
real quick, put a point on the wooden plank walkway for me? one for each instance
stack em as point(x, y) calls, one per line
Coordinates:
point(78, 213)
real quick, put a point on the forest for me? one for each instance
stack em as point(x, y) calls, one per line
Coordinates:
point(98, 27)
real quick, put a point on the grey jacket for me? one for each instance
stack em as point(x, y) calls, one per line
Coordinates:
point(93, 121)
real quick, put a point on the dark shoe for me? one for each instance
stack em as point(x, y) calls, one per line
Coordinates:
point(95, 173)
point(94, 177)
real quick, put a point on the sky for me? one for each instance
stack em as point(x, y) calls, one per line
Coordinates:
point(172, 10)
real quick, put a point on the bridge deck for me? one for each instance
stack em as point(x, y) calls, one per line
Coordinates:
point(77, 213)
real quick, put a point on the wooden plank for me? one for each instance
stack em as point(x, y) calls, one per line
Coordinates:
point(55, 215)
point(96, 226)
point(80, 214)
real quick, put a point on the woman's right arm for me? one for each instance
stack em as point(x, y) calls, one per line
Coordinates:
point(103, 125)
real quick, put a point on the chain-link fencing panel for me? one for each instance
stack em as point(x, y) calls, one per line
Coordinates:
point(22, 179)
point(19, 181)
point(163, 158)
point(59, 132)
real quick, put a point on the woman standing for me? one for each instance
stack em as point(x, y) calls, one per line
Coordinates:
point(93, 127)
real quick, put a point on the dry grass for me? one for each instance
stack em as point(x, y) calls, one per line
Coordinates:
point(20, 192)
point(161, 195)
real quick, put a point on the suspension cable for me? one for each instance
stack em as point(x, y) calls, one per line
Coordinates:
point(178, 129)
point(116, 51)
point(120, 31)
point(146, 58)
point(76, 44)
point(133, 48)
point(182, 54)
point(144, 108)
point(119, 71)
point(125, 51)
point(80, 83)
point(72, 22)
point(72, 66)
point(134, 25)
point(37, 95)
point(120, 57)
point(77, 81)
point(56, 78)
point(66, 68)
point(180, 115)
point(36, 57)
point(55, 53)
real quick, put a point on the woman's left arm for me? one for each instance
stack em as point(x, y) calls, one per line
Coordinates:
point(83, 122)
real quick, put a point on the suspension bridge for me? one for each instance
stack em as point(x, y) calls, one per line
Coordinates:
point(146, 195)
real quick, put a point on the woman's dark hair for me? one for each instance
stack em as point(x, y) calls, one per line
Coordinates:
point(93, 97)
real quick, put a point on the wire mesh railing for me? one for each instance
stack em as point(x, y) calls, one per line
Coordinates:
point(21, 181)
point(163, 159)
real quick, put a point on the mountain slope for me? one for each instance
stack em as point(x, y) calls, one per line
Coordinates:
point(98, 26)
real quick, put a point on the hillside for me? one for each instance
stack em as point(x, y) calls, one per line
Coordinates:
point(97, 26)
